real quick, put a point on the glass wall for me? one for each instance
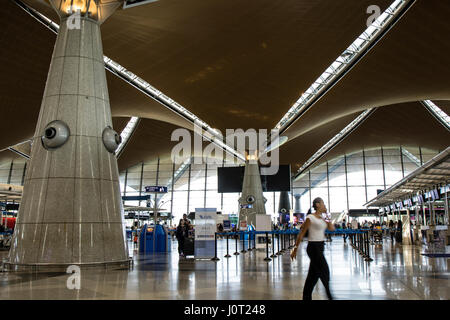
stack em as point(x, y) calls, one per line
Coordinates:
point(351, 180)
point(13, 172)
point(346, 182)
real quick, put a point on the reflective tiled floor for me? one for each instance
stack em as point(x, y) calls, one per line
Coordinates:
point(397, 272)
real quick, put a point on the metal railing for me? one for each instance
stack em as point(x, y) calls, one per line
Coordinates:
point(359, 240)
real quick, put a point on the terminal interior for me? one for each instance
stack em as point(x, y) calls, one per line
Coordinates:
point(351, 108)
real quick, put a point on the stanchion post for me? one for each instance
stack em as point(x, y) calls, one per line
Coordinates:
point(278, 242)
point(243, 242)
point(364, 242)
point(359, 242)
point(290, 239)
point(249, 246)
point(227, 255)
point(215, 248)
point(368, 258)
point(273, 255)
point(236, 253)
point(267, 248)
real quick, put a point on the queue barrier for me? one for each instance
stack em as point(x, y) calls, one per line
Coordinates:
point(359, 240)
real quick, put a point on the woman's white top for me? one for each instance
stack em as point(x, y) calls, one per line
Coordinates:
point(317, 227)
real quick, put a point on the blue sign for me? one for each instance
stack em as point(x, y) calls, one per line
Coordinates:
point(136, 198)
point(157, 189)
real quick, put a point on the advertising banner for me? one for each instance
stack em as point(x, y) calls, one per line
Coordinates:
point(205, 228)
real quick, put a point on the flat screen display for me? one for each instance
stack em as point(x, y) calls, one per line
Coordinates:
point(230, 179)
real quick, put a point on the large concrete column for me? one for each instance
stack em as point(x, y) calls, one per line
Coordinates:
point(71, 211)
point(252, 194)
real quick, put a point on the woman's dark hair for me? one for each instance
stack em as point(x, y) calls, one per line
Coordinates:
point(315, 202)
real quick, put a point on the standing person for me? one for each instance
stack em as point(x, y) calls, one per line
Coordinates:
point(318, 267)
point(391, 229)
point(399, 231)
point(181, 233)
point(185, 218)
point(344, 226)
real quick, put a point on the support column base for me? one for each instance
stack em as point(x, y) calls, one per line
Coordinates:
point(46, 267)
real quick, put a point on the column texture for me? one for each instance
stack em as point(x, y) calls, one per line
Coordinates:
point(71, 210)
point(251, 187)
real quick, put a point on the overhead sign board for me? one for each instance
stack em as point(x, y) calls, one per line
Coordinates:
point(156, 189)
point(136, 198)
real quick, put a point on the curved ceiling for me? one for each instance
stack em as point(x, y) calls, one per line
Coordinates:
point(410, 63)
point(297, 151)
point(152, 140)
point(237, 64)
point(26, 53)
point(406, 124)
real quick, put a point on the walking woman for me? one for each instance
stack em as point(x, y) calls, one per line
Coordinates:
point(318, 267)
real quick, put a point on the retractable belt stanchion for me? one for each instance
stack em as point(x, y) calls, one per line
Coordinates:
point(289, 239)
point(273, 255)
point(267, 248)
point(278, 243)
point(249, 246)
point(368, 258)
point(243, 242)
point(227, 255)
point(236, 253)
point(359, 243)
point(254, 242)
point(363, 243)
point(215, 248)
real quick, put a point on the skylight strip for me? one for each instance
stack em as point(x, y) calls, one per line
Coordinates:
point(126, 133)
point(177, 174)
point(142, 85)
point(341, 64)
point(333, 141)
point(437, 112)
point(411, 157)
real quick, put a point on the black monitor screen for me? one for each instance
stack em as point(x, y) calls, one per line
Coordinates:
point(230, 179)
point(12, 206)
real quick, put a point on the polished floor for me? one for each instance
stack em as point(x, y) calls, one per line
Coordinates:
point(397, 272)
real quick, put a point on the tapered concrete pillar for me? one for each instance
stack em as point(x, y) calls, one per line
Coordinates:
point(297, 207)
point(284, 206)
point(252, 201)
point(71, 211)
